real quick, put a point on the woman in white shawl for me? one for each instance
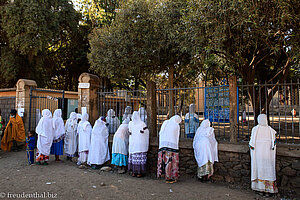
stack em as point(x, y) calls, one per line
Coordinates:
point(191, 122)
point(127, 113)
point(206, 150)
point(120, 146)
point(99, 151)
point(113, 121)
point(59, 134)
point(168, 153)
point(138, 145)
point(71, 136)
point(143, 114)
point(84, 131)
point(45, 133)
point(263, 156)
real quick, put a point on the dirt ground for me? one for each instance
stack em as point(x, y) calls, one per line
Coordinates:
point(64, 180)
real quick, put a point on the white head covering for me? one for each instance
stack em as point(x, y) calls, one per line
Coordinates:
point(143, 114)
point(169, 133)
point(192, 108)
point(127, 114)
point(113, 121)
point(71, 141)
point(45, 132)
point(121, 140)
point(139, 138)
point(79, 116)
point(84, 131)
point(58, 125)
point(99, 152)
point(205, 145)
point(205, 129)
point(84, 121)
point(262, 120)
point(45, 124)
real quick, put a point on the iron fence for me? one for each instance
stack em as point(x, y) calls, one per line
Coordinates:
point(118, 100)
point(281, 104)
point(279, 101)
point(208, 102)
point(44, 99)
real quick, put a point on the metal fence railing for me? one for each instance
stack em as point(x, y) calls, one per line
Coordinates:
point(279, 101)
point(281, 104)
point(194, 105)
point(41, 99)
point(118, 100)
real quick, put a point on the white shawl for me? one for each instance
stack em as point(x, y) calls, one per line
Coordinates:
point(84, 131)
point(263, 150)
point(71, 134)
point(205, 144)
point(121, 140)
point(58, 125)
point(99, 151)
point(143, 114)
point(113, 121)
point(127, 114)
point(45, 133)
point(139, 138)
point(169, 133)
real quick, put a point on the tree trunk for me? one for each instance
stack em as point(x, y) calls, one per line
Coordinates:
point(171, 92)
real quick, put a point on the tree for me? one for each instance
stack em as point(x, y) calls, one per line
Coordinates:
point(142, 42)
point(258, 40)
point(36, 39)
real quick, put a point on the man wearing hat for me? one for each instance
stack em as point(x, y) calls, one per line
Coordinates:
point(14, 132)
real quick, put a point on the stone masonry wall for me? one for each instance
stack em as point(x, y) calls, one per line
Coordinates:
point(234, 167)
point(6, 104)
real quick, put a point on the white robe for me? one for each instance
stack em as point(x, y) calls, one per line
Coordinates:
point(121, 140)
point(45, 133)
point(113, 121)
point(169, 133)
point(139, 135)
point(99, 151)
point(143, 114)
point(58, 126)
point(71, 135)
point(84, 131)
point(263, 156)
point(205, 144)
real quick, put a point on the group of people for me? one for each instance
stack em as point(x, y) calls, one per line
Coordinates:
point(131, 142)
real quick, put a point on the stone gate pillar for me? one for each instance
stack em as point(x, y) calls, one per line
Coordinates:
point(88, 96)
point(23, 99)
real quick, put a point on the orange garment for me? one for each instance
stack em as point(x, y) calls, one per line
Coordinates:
point(13, 131)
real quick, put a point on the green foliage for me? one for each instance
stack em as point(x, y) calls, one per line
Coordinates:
point(39, 40)
point(257, 39)
point(142, 42)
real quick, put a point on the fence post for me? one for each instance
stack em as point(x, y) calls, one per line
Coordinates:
point(23, 99)
point(88, 96)
point(151, 108)
point(171, 92)
point(233, 108)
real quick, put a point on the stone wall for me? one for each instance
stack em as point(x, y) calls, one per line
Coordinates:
point(234, 164)
point(6, 104)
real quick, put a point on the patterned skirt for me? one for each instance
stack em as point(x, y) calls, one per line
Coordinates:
point(168, 163)
point(137, 163)
point(207, 169)
point(119, 159)
point(41, 157)
point(57, 148)
point(264, 186)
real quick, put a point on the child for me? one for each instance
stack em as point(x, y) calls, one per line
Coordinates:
point(30, 145)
